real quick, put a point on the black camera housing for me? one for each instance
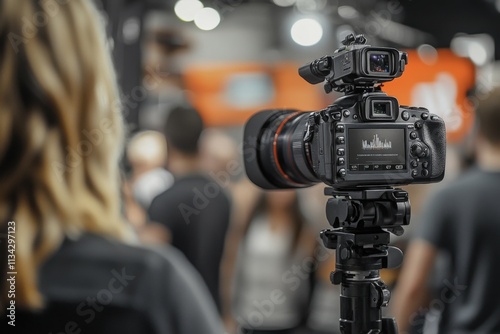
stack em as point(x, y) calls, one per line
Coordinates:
point(349, 143)
point(357, 65)
point(364, 139)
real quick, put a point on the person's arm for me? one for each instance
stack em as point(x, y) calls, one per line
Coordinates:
point(411, 291)
point(193, 308)
point(245, 196)
point(157, 230)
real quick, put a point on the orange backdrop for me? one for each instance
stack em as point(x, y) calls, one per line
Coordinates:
point(208, 87)
point(441, 87)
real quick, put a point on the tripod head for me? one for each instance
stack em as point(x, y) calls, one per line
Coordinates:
point(362, 220)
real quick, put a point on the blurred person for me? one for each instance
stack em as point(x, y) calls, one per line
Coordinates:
point(463, 221)
point(218, 152)
point(146, 153)
point(271, 289)
point(164, 47)
point(245, 196)
point(195, 209)
point(324, 309)
point(60, 140)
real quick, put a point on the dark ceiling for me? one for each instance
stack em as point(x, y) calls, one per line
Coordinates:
point(442, 19)
point(445, 18)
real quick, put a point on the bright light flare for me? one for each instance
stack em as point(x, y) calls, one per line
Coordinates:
point(306, 32)
point(207, 19)
point(186, 10)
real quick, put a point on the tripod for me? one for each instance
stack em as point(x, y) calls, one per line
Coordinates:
point(361, 219)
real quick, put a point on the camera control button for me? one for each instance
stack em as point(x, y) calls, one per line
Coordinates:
point(413, 135)
point(405, 115)
point(341, 140)
point(339, 128)
point(425, 172)
point(419, 124)
point(337, 116)
point(414, 173)
point(354, 168)
point(416, 150)
point(425, 115)
point(340, 152)
point(346, 113)
point(425, 164)
point(414, 164)
point(342, 172)
point(340, 161)
point(419, 150)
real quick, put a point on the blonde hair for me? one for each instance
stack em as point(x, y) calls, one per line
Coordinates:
point(60, 131)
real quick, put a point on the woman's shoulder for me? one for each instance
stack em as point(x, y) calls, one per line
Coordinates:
point(91, 262)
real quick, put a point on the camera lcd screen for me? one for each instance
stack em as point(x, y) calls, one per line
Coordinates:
point(379, 62)
point(377, 150)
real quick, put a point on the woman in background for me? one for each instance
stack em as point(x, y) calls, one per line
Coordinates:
point(274, 267)
point(60, 140)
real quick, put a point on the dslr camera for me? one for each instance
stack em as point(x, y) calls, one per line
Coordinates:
point(364, 139)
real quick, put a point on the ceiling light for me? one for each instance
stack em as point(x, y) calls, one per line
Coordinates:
point(306, 32)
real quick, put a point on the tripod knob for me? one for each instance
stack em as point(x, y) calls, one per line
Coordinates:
point(394, 257)
point(345, 253)
point(336, 277)
point(380, 294)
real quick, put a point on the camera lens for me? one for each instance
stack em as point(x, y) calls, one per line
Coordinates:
point(276, 155)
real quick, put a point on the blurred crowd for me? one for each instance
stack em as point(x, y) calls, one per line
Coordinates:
point(257, 252)
point(208, 251)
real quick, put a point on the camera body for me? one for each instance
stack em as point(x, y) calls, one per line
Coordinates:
point(364, 139)
point(369, 140)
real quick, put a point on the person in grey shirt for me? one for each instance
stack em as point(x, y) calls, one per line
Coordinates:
point(463, 221)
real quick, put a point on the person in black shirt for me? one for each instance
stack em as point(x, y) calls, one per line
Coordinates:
point(195, 209)
point(462, 220)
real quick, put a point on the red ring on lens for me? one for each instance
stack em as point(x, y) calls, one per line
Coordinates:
point(275, 146)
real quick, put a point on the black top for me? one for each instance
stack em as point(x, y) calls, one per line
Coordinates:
point(463, 219)
point(100, 286)
point(196, 210)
